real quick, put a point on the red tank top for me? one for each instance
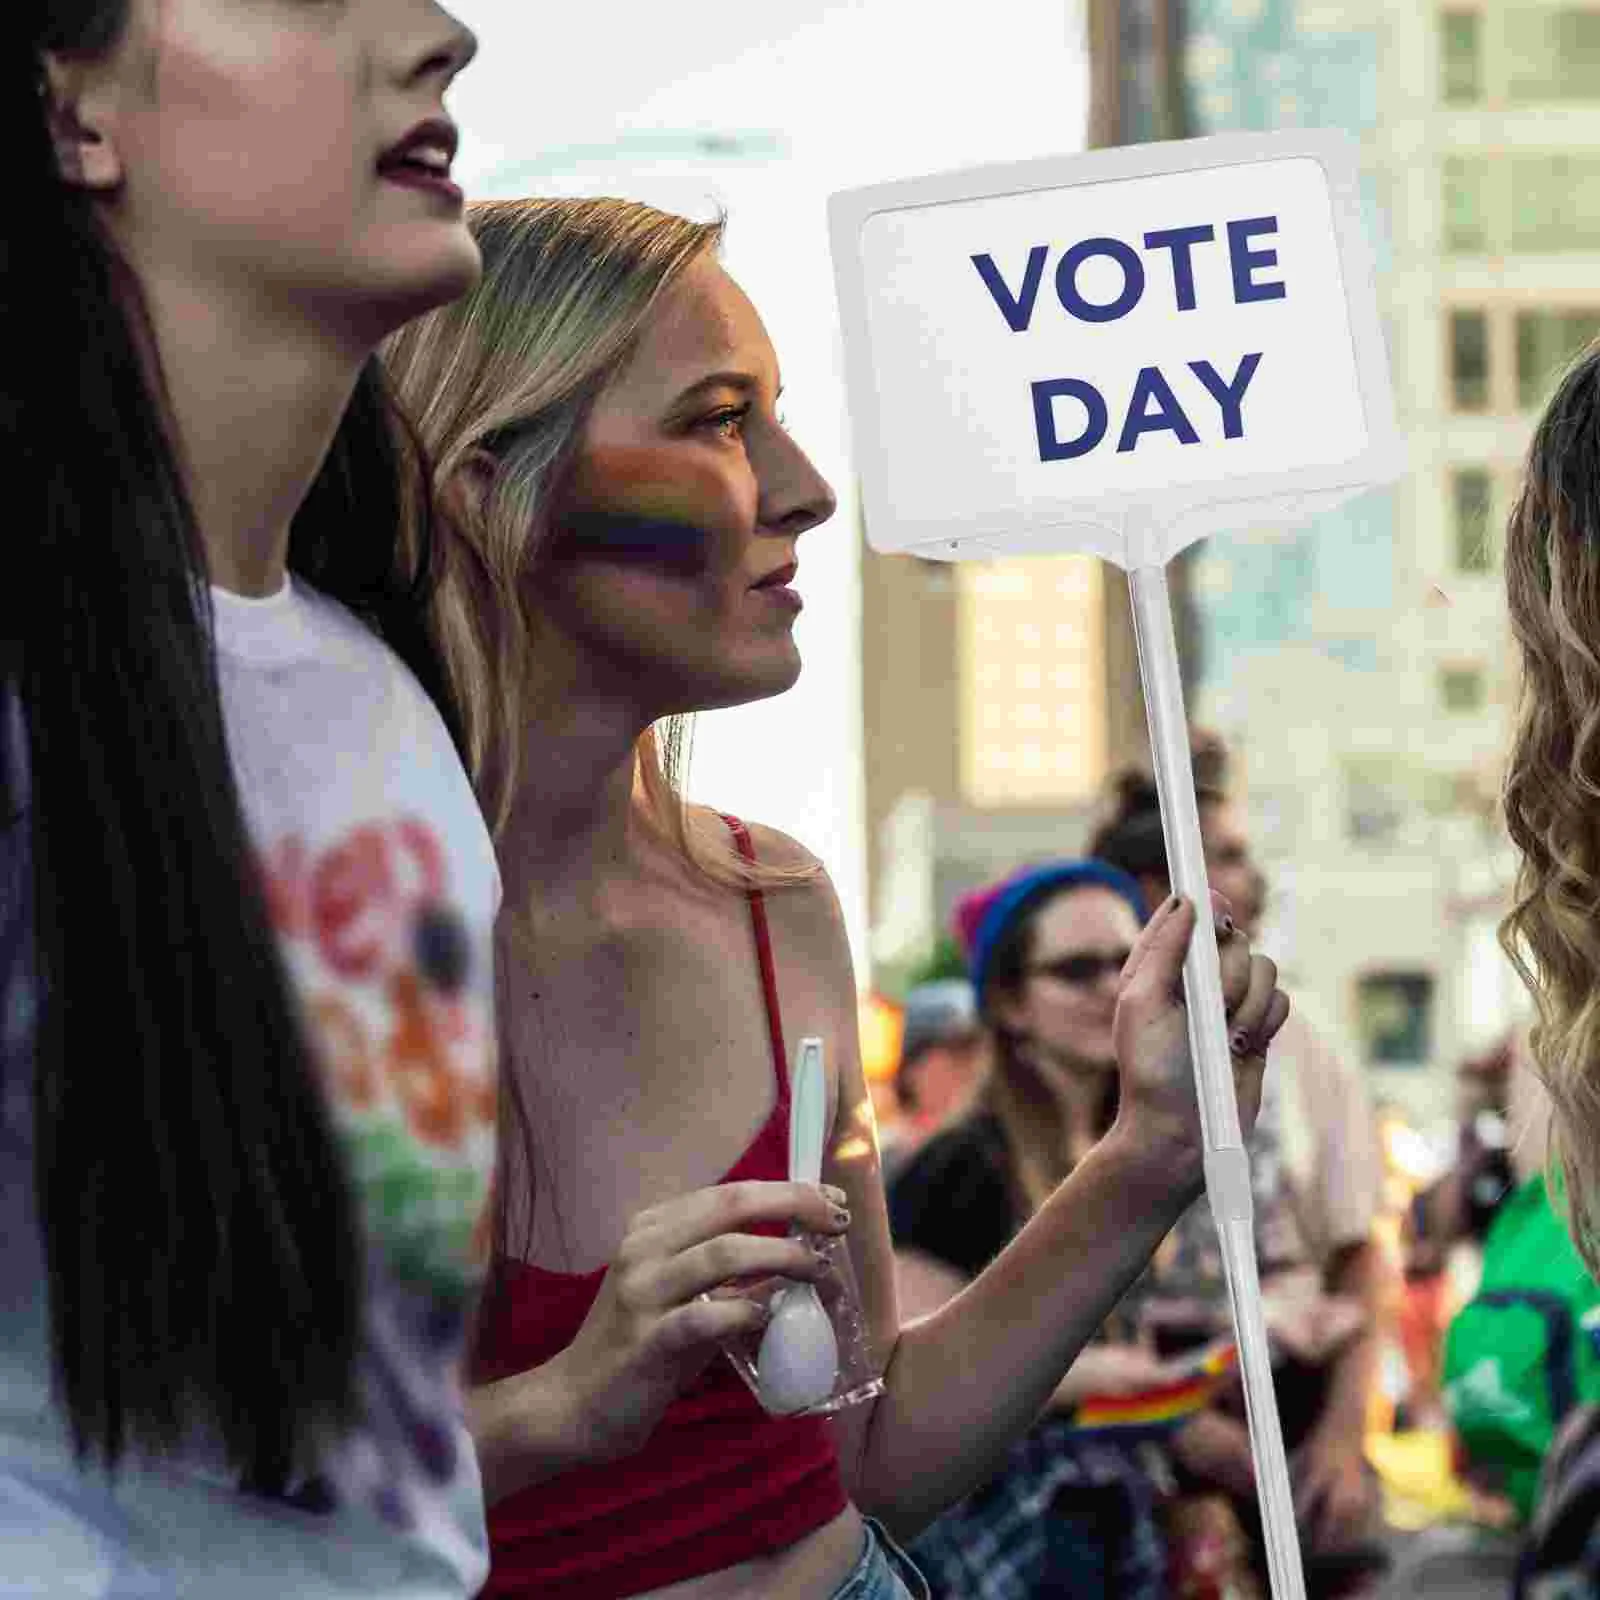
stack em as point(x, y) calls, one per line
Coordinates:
point(717, 1483)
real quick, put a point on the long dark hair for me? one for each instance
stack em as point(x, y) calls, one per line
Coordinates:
point(1131, 837)
point(202, 1248)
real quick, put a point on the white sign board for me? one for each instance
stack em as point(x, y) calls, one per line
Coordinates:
point(1178, 338)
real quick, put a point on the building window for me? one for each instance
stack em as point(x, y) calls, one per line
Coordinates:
point(1374, 802)
point(1461, 57)
point(1470, 494)
point(1551, 54)
point(1530, 202)
point(1469, 360)
point(1031, 664)
point(1546, 342)
point(1554, 200)
point(1466, 212)
point(1461, 689)
point(1394, 1015)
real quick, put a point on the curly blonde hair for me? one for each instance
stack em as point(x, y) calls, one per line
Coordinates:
point(1552, 787)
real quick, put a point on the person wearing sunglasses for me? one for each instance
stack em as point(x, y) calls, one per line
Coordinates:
point(1072, 1512)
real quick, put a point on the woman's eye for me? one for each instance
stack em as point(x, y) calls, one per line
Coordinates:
point(729, 422)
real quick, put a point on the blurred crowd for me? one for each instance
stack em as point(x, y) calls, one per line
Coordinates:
point(1431, 1324)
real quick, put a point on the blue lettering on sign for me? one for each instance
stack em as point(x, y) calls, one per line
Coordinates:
point(1148, 386)
point(1154, 406)
point(1181, 242)
point(1245, 261)
point(1229, 396)
point(1067, 280)
point(1052, 447)
point(1017, 309)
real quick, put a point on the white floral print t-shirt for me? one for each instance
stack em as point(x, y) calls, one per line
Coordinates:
point(381, 884)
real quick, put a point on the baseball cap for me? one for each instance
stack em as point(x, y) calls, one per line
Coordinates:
point(936, 1013)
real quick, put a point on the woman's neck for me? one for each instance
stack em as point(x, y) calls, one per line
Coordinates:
point(571, 824)
point(1079, 1091)
point(256, 402)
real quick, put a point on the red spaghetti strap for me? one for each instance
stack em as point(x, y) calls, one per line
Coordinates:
point(769, 975)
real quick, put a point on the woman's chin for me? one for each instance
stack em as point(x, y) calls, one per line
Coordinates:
point(753, 681)
point(422, 280)
point(730, 684)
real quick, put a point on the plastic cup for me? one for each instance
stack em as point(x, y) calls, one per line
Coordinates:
point(859, 1377)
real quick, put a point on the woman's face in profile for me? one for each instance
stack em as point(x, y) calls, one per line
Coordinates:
point(689, 436)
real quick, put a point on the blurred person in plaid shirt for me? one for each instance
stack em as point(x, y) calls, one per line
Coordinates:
point(1076, 1508)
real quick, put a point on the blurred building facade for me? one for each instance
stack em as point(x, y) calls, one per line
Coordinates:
point(1364, 666)
point(1361, 668)
point(988, 720)
point(999, 695)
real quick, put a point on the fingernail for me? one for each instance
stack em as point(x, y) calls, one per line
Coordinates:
point(837, 1196)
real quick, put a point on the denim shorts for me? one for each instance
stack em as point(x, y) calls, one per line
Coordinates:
point(884, 1572)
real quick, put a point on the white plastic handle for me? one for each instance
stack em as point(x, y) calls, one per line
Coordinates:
point(808, 1109)
point(1227, 1163)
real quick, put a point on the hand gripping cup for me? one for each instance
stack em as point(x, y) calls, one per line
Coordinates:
point(814, 1355)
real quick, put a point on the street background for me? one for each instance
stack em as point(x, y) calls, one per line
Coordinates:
point(953, 722)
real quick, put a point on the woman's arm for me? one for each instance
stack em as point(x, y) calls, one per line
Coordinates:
point(525, 1429)
point(1101, 1369)
point(964, 1383)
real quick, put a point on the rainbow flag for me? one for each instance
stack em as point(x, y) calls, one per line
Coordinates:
point(1159, 1410)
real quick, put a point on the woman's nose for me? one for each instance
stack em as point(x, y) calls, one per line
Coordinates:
point(795, 497)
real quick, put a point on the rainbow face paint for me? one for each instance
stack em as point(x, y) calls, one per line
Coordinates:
point(636, 537)
point(649, 507)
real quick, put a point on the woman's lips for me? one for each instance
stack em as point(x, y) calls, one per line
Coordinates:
point(779, 577)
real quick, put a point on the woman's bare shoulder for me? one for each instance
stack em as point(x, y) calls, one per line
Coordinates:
point(779, 849)
point(809, 908)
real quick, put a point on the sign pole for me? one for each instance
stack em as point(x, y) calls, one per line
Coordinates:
point(1227, 1164)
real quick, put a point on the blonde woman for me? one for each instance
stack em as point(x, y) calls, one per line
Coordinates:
point(626, 509)
point(1552, 563)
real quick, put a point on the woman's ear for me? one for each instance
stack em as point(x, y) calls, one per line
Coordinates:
point(80, 100)
point(469, 487)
